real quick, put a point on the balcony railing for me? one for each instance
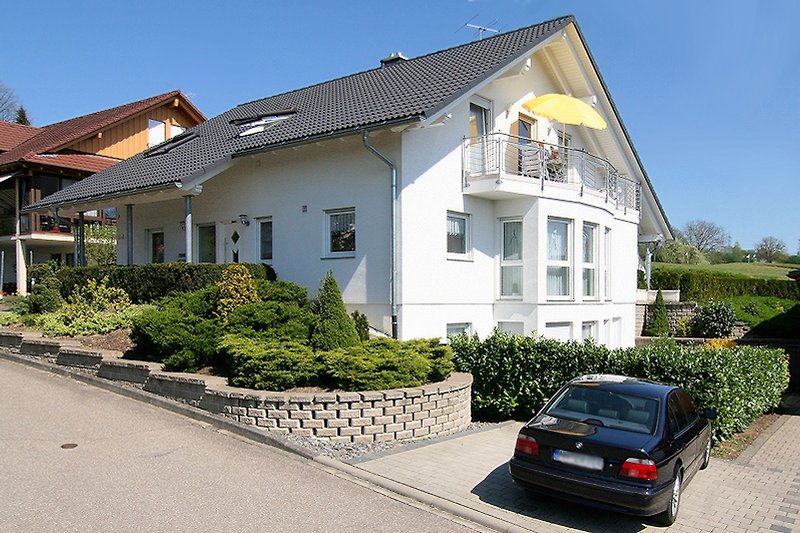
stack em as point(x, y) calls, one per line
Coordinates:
point(501, 156)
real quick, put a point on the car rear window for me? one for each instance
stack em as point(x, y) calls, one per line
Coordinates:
point(607, 408)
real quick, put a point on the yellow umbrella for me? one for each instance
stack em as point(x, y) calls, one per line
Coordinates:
point(567, 110)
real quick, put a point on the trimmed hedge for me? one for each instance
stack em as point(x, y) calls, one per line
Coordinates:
point(700, 286)
point(513, 375)
point(146, 283)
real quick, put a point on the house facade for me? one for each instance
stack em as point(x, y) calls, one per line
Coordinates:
point(438, 201)
point(37, 162)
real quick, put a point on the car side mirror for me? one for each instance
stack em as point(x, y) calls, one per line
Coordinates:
point(710, 414)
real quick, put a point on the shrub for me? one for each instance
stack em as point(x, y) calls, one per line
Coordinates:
point(236, 287)
point(513, 376)
point(715, 319)
point(658, 324)
point(46, 291)
point(361, 322)
point(269, 365)
point(272, 320)
point(386, 364)
point(334, 328)
point(703, 286)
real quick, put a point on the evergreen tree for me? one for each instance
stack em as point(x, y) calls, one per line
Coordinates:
point(658, 325)
point(334, 328)
point(22, 117)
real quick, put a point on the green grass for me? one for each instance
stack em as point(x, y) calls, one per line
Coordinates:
point(754, 270)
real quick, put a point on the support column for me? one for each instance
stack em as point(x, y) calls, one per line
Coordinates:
point(22, 268)
point(81, 240)
point(187, 222)
point(129, 232)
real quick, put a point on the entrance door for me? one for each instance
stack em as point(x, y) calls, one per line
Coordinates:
point(234, 233)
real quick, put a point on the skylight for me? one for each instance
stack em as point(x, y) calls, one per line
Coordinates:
point(171, 144)
point(259, 123)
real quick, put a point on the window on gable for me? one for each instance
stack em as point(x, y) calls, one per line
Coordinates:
point(156, 132)
point(175, 130)
point(340, 232)
point(458, 235)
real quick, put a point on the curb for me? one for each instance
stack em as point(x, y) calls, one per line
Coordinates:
point(263, 437)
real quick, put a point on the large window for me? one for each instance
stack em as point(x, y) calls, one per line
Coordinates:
point(265, 239)
point(458, 235)
point(156, 132)
point(559, 280)
point(340, 232)
point(479, 126)
point(590, 260)
point(607, 265)
point(511, 259)
point(207, 243)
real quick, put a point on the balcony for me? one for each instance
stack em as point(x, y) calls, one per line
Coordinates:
point(500, 166)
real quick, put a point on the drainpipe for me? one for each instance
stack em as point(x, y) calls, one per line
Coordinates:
point(393, 261)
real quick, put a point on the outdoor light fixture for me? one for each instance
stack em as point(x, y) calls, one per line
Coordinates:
point(183, 225)
point(244, 220)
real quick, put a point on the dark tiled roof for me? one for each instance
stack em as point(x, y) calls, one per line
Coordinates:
point(54, 137)
point(403, 91)
point(12, 135)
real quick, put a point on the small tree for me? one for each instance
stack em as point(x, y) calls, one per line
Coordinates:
point(771, 249)
point(101, 245)
point(658, 325)
point(680, 253)
point(334, 328)
point(705, 236)
point(362, 325)
point(236, 288)
point(22, 117)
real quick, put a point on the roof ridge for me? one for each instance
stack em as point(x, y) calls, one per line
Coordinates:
point(164, 96)
point(381, 67)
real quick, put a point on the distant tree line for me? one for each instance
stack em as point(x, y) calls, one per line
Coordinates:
point(703, 242)
point(10, 108)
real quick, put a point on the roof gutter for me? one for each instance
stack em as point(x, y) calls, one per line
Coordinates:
point(393, 260)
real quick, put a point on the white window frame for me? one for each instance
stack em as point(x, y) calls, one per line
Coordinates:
point(462, 327)
point(591, 325)
point(479, 150)
point(590, 267)
point(328, 253)
point(260, 254)
point(607, 292)
point(560, 263)
point(516, 264)
point(517, 327)
point(549, 327)
point(467, 219)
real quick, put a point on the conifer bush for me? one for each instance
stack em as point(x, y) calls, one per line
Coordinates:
point(658, 324)
point(334, 327)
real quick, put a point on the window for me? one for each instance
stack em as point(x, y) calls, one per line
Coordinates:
point(265, 240)
point(156, 132)
point(589, 331)
point(517, 328)
point(559, 282)
point(526, 158)
point(207, 243)
point(511, 259)
point(479, 126)
point(156, 246)
point(459, 328)
point(174, 130)
point(590, 260)
point(560, 331)
point(340, 232)
point(458, 235)
point(607, 265)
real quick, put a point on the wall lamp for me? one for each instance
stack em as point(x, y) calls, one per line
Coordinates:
point(244, 220)
point(183, 225)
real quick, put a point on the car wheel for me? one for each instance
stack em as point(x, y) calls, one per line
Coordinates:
point(706, 455)
point(671, 513)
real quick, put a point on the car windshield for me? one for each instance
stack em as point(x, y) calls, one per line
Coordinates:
point(606, 408)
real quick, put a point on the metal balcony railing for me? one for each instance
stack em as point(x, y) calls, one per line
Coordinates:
point(503, 156)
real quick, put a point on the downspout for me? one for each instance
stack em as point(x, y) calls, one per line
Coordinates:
point(393, 260)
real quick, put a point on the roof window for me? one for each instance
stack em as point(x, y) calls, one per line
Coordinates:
point(171, 144)
point(259, 123)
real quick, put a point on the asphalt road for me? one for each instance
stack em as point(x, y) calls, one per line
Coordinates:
point(138, 468)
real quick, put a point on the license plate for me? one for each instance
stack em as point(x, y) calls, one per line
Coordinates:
point(590, 462)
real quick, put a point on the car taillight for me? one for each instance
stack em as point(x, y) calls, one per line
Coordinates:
point(527, 445)
point(638, 469)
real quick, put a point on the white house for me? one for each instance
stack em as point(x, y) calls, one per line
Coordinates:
point(438, 202)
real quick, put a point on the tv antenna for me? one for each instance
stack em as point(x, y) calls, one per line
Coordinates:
point(481, 29)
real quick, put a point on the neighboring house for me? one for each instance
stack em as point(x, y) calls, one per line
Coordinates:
point(423, 185)
point(36, 162)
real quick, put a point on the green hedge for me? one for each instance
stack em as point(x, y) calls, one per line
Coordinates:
point(513, 376)
point(146, 283)
point(701, 286)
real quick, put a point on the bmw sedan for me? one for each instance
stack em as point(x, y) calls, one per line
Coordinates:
point(615, 442)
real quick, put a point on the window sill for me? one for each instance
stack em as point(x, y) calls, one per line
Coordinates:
point(338, 256)
point(460, 258)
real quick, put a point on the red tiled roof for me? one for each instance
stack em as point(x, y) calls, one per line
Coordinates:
point(56, 136)
point(12, 135)
point(88, 162)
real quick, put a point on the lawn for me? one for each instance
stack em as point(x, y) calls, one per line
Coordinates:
point(754, 270)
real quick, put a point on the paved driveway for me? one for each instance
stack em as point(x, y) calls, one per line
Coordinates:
point(758, 492)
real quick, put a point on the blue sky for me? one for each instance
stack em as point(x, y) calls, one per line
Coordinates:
point(709, 90)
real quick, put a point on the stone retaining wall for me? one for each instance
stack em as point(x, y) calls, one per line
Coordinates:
point(397, 414)
point(675, 313)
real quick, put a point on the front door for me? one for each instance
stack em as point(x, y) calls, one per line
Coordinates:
point(234, 232)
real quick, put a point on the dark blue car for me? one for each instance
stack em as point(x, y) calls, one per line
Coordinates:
point(617, 443)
